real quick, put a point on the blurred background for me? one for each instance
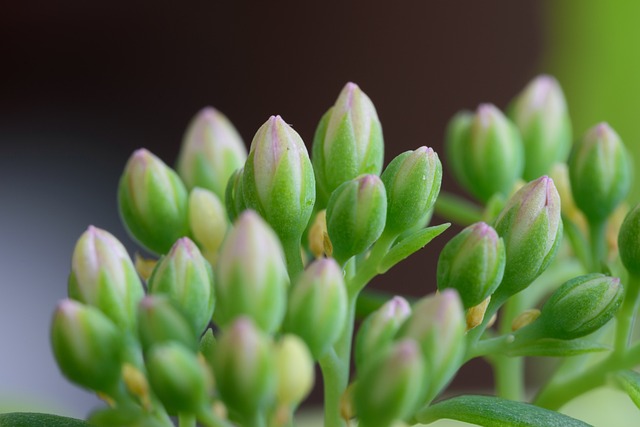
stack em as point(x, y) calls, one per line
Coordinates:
point(83, 84)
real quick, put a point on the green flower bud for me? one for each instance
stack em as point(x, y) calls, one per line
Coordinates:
point(103, 276)
point(211, 150)
point(153, 202)
point(348, 141)
point(234, 199)
point(379, 329)
point(540, 112)
point(294, 367)
point(278, 179)
point(356, 215)
point(531, 227)
point(178, 378)
point(412, 181)
point(245, 368)
point(391, 384)
point(438, 324)
point(629, 241)
point(485, 152)
point(600, 172)
point(581, 306)
point(472, 263)
point(160, 320)
point(251, 277)
point(208, 221)
point(186, 277)
point(317, 309)
point(86, 345)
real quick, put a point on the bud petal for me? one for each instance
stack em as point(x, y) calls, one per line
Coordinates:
point(390, 385)
point(208, 221)
point(153, 202)
point(245, 368)
point(294, 366)
point(103, 276)
point(186, 277)
point(211, 150)
point(540, 113)
point(629, 241)
point(161, 321)
point(86, 345)
point(472, 263)
point(234, 199)
point(177, 378)
point(485, 152)
point(317, 309)
point(600, 172)
point(348, 141)
point(356, 215)
point(252, 278)
point(378, 330)
point(581, 306)
point(531, 227)
point(278, 179)
point(412, 181)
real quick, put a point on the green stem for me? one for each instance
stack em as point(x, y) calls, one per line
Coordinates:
point(186, 420)
point(627, 314)
point(293, 256)
point(369, 267)
point(597, 234)
point(334, 382)
point(509, 371)
point(456, 209)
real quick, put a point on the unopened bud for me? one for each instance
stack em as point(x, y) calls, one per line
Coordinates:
point(251, 275)
point(211, 150)
point(560, 175)
point(485, 152)
point(153, 202)
point(356, 214)
point(144, 266)
point(103, 276)
point(160, 321)
point(472, 263)
point(208, 221)
point(629, 241)
point(540, 113)
point(348, 141)
point(600, 172)
point(525, 318)
point(475, 314)
point(318, 235)
point(136, 383)
point(233, 198)
point(294, 367)
point(412, 181)
point(186, 277)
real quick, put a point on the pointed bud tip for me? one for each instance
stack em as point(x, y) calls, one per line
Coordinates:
point(398, 305)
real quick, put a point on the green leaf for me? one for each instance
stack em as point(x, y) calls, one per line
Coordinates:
point(28, 419)
point(630, 383)
point(551, 347)
point(495, 412)
point(409, 245)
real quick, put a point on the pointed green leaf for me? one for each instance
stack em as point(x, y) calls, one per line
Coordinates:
point(550, 347)
point(409, 245)
point(495, 412)
point(630, 383)
point(28, 419)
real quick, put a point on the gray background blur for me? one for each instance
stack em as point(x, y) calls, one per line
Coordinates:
point(83, 84)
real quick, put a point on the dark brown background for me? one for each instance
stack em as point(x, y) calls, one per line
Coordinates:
point(83, 84)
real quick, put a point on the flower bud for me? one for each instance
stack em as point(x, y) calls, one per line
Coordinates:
point(319, 243)
point(629, 241)
point(438, 324)
point(86, 345)
point(391, 384)
point(412, 181)
point(211, 150)
point(294, 367)
point(208, 221)
point(348, 141)
point(103, 276)
point(153, 202)
point(356, 215)
point(160, 321)
point(278, 179)
point(245, 368)
point(233, 198)
point(525, 318)
point(177, 378)
point(317, 309)
point(379, 329)
point(531, 227)
point(472, 263)
point(475, 314)
point(186, 277)
point(251, 276)
point(581, 306)
point(600, 172)
point(485, 152)
point(540, 113)
point(560, 175)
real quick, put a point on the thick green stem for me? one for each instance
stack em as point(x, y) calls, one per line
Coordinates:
point(597, 234)
point(334, 382)
point(509, 371)
point(627, 314)
point(456, 209)
point(293, 256)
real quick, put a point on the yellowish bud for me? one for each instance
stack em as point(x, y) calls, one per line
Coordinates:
point(347, 409)
point(475, 314)
point(613, 229)
point(560, 175)
point(136, 383)
point(144, 266)
point(294, 365)
point(317, 234)
point(525, 318)
point(208, 221)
